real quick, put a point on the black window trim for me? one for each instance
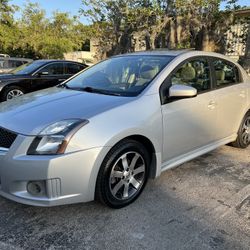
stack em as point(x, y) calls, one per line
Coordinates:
point(240, 78)
point(167, 84)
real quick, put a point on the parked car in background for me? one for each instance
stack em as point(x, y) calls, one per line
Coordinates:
point(4, 55)
point(37, 75)
point(7, 64)
point(103, 133)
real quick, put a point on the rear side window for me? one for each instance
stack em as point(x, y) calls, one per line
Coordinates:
point(53, 69)
point(73, 68)
point(194, 73)
point(225, 73)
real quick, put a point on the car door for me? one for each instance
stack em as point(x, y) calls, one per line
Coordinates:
point(230, 97)
point(189, 123)
point(48, 76)
point(72, 69)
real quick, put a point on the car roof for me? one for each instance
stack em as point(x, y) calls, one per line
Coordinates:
point(45, 61)
point(175, 53)
point(158, 52)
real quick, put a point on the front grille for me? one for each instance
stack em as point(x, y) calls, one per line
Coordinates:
point(6, 138)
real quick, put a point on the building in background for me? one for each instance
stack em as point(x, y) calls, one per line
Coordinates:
point(87, 56)
point(238, 34)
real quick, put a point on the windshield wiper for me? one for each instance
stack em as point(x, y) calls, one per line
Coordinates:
point(98, 91)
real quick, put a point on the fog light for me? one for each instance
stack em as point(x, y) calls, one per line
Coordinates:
point(36, 188)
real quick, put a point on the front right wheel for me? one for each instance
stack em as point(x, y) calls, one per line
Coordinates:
point(123, 174)
point(243, 139)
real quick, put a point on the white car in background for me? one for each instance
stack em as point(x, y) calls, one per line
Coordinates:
point(104, 132)
point(4, 55)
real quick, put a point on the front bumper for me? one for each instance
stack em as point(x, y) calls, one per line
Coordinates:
point(68, 178)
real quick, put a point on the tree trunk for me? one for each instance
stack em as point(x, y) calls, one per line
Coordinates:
point(247, 52)
point(205, 39)
point(172, 35)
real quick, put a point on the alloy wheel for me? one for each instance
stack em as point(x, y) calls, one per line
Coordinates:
point(246, 131)
point(127, 176)
point(13, 94)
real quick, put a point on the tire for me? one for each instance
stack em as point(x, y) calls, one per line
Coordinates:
point(243, 139)
point(13, 91)
point(123, 174)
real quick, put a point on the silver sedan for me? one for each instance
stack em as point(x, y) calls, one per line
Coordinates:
point(104, 132)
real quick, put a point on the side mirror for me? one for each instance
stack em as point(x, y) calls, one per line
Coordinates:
point(43, 73)
point(182, 91)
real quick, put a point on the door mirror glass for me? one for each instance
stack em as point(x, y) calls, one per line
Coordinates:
point(182, 91)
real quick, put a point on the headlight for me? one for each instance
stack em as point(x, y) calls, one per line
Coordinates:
point(55, 138)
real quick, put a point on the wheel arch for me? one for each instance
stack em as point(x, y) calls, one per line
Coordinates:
point(150, 148)
point(154, 157)
point(8, 85)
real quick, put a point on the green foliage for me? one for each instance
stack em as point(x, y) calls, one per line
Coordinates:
point(119, 26)
point(36, 36)
point(159, 23)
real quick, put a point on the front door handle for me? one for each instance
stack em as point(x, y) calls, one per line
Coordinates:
point(242, 94)
point(212, 105)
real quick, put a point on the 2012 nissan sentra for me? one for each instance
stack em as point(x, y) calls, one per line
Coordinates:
point(104, 132)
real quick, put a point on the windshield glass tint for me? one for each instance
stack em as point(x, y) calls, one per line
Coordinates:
point(27, 68)
point(126, 75)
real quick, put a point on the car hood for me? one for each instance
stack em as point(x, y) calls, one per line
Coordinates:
point(11, 77)
point(31, 113)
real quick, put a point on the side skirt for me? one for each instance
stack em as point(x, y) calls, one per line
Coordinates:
point(197, 152)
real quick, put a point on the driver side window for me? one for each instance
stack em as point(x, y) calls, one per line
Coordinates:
point(194, 73)
point(53, 69)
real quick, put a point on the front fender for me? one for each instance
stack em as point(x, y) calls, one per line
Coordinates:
point(139, 117)
point(3, 84)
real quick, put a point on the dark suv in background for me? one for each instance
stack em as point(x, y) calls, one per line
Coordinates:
point(40, 74)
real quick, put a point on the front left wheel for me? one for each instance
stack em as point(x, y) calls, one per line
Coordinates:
point(12, 92)
point(123, 174)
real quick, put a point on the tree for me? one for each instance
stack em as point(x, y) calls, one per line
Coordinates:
point(36, 36)
point(6, 12)
point(122, 25)
point(7, 26)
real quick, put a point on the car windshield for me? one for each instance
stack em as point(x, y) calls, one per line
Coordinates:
point(27, 68)
point(125, 75)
